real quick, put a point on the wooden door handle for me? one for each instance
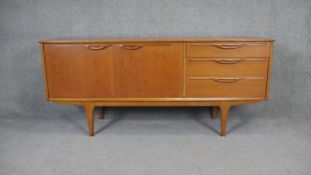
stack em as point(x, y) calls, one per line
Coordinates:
point(227, 61)
point(226, 80)
point(221, 46)
point(130, 47)
point(228, 46)
point(97, 47)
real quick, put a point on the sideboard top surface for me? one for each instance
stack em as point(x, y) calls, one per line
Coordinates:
point(133, 40)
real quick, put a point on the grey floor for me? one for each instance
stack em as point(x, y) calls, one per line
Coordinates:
point(140, 141)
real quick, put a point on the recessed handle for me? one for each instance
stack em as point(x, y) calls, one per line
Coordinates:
point(228, 46)
point(227, 61)
point(130, 47)
point(221, 46)
point(97, 47)
point(226, 80)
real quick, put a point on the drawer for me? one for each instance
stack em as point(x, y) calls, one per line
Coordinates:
point(226, 87)
point(227, 66)
point(228, 49)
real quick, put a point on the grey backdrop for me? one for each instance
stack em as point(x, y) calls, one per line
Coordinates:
point(23, 23)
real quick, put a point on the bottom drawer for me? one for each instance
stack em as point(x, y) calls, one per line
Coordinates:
point(226, 87)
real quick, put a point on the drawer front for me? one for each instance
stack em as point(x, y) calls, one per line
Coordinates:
point(228, 49)
point(226, 87)
point(227, 66)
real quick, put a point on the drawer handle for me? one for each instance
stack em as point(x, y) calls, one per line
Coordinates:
point(226, 46)
point(130, 47)
point(97, 47)
point(227, 61)
point(226, 80)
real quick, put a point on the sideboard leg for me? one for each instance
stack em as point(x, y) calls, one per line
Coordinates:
point(101, 112)
point(224, 107)
point(214, 112)
point(89, 110)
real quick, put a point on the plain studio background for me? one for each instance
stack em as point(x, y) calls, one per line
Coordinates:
point(36, 136)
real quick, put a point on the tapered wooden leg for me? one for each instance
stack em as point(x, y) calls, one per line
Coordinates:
point(89, 110)
point(214, 112)
point(224, 107)
point(102, 113)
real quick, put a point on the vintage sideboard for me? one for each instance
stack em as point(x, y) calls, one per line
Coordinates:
point(216, 72)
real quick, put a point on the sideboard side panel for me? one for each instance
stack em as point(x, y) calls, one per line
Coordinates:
point(269, 72)
point(44, 72)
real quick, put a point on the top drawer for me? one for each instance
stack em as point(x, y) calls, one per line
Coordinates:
point(228, 49)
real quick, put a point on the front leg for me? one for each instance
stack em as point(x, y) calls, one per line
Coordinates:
point(89, 110)
point(101, 112)
point(214, 112)
point(224, 107)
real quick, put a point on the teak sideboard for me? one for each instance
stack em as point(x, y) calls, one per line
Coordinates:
point(216, 72)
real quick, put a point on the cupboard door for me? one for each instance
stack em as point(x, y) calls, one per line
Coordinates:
point(149, 70)
point(79, 70)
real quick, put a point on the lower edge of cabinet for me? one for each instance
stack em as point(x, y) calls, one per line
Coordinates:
point(155, 101)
